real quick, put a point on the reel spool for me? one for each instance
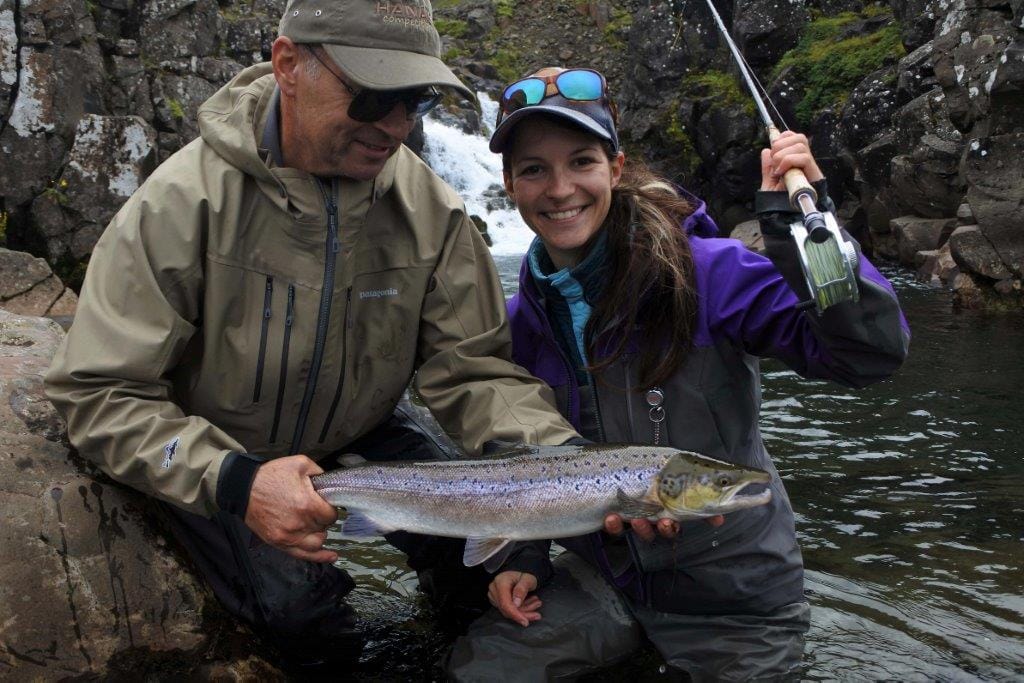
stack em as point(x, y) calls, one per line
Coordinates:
point(829, 266)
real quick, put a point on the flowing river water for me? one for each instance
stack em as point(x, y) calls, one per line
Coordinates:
point(909, 506)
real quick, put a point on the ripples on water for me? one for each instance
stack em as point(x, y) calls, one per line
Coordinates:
point(909, 508)
point(908, 501)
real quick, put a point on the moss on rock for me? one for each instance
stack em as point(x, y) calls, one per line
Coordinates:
point(724, 89)
point(678, 141)
point(829, 65)
point(456, 28)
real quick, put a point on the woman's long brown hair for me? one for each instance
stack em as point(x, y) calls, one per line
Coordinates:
point(651, 292)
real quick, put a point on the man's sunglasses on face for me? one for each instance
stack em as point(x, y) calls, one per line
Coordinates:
point(368, 106)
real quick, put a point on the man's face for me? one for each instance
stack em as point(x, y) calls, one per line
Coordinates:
point(322, 139)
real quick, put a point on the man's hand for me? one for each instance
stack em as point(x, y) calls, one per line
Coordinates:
point(667, 528)
point(287, 513)
point(790, 150)
point(509, 591)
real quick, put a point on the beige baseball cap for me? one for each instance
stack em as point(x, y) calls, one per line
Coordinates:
point(379, 44)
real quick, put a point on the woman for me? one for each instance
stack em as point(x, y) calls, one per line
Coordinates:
point(649, 330)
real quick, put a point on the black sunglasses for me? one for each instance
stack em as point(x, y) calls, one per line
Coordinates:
point(368, 106)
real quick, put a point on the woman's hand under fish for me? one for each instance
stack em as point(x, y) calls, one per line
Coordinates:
point(667, 528)
point(509, 592)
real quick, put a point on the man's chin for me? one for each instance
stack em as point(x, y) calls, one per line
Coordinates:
point(364, 169)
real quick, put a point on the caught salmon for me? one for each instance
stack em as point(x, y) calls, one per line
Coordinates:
point(536, 492)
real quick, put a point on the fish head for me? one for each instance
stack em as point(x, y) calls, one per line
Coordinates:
point(692, 484)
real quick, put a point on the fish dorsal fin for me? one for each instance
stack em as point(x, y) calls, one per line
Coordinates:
point(491, 551)
point(358, 525)
point(636, 508)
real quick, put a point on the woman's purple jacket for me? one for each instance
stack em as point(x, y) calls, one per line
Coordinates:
point(747, 310)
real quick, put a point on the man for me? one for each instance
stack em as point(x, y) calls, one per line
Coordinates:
point(265, 297)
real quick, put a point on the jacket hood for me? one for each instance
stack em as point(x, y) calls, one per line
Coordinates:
point(233, 117)
point(698, 223)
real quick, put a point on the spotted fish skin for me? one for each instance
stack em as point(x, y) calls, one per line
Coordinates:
point(530, 493)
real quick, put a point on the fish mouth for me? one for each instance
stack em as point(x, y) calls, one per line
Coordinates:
point(730, 499)
point(737, 497)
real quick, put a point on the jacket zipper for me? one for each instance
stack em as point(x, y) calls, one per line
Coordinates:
point(264, 328)
point(288, 320)
point(341, 375)
point(332, 247)
point(597, 410)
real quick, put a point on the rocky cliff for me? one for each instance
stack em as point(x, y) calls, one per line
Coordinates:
point(914, 107)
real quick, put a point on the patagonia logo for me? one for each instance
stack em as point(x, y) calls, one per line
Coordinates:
point(378, 293)
point(404, 13)
point(169, 450)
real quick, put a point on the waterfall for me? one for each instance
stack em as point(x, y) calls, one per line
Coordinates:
point(474, 172)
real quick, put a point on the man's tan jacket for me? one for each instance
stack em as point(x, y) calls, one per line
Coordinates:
point(224, 310)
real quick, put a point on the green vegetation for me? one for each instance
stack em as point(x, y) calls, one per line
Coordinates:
point(445, 4)
point(679, 140)
point(620, 22)
point(503, 8)
point(55, 192)
point(509, 63)
point(829, 68)
point(3, 227)
point(177, 111)
point(456, 28)
point(723, 87)
point(876, 10)
point(454, 53)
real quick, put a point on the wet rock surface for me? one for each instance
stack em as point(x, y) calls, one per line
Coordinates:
point(88, 588)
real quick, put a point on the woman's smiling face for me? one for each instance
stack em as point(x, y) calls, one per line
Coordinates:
point(561, 180)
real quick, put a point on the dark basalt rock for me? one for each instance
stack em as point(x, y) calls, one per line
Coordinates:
point(765, 29)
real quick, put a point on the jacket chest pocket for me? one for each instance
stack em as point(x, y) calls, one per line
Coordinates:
point(283, 326)
point(257, 333)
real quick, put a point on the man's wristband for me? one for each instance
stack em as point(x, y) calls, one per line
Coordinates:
point(234, 483)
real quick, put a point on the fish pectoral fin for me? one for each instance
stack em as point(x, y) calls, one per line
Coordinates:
point(492, 552)
point(636, 508)
point(359, 525)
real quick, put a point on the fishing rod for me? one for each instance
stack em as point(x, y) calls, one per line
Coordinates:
point(828, 260)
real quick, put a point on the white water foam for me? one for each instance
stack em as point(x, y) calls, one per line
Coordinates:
point(465, 163)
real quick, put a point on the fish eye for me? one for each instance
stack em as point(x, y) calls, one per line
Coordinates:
point(724, 480)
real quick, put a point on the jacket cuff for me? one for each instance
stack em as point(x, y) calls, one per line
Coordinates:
point(776, 212)
point(532, 557)
point(578, 441)
point(234, 483)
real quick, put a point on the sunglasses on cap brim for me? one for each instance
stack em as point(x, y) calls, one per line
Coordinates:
point(369, 106)
point(576, 85)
